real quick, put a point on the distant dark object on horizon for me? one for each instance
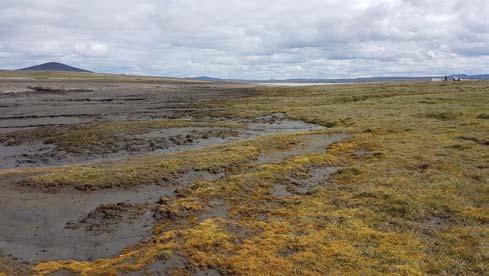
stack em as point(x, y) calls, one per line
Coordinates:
point(54, 66)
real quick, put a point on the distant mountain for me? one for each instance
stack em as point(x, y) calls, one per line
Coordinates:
point(206, 78)
point(357, 80)
point(478, 77)
point(353, 80)
point(54, 66)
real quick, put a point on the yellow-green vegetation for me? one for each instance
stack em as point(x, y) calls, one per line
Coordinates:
point(9, 267)
point(411, 197)
point(153, 169)
point(101, 136)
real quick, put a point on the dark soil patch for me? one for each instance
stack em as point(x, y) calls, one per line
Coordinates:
point(107, 217)
point(445, 116)
point(50, 90)
point(477, 140)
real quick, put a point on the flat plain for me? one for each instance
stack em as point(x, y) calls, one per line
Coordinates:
point(113, 174)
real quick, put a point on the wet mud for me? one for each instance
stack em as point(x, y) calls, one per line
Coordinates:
point(79, 225)
point(72, 224)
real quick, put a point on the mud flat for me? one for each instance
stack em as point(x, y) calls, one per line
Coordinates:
point(40, 225)
point(35, 113)
point(72, 224)
point(77, 225)
point(54, 123)
point(20, 149)
point(21, 106)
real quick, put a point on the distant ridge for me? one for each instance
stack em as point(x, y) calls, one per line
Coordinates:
point(54, 66)
point(351, 80)
point(206, 78)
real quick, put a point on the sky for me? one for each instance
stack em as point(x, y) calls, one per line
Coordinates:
point(252, 39)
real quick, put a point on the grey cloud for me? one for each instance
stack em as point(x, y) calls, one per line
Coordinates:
point(249, 39)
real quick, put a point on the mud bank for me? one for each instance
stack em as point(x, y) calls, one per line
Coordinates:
point(20, 149)
point(38, 225)
point(86, 226)
point(71, 224)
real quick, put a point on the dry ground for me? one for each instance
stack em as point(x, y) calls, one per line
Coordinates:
point(396, 182)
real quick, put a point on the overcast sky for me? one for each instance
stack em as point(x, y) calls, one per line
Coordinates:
point(249, 39)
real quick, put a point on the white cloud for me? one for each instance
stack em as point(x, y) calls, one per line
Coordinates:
point(249, 39)
point(92, 50)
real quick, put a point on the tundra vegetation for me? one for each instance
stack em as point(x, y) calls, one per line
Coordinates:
point(410, 194)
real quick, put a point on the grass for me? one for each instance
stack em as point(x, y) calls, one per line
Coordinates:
point(9, 267)
point(154, 169)
point(412, 197)
point(483, 116)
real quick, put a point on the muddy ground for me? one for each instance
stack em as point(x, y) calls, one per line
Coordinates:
point(33, 114)
point(69, 224)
